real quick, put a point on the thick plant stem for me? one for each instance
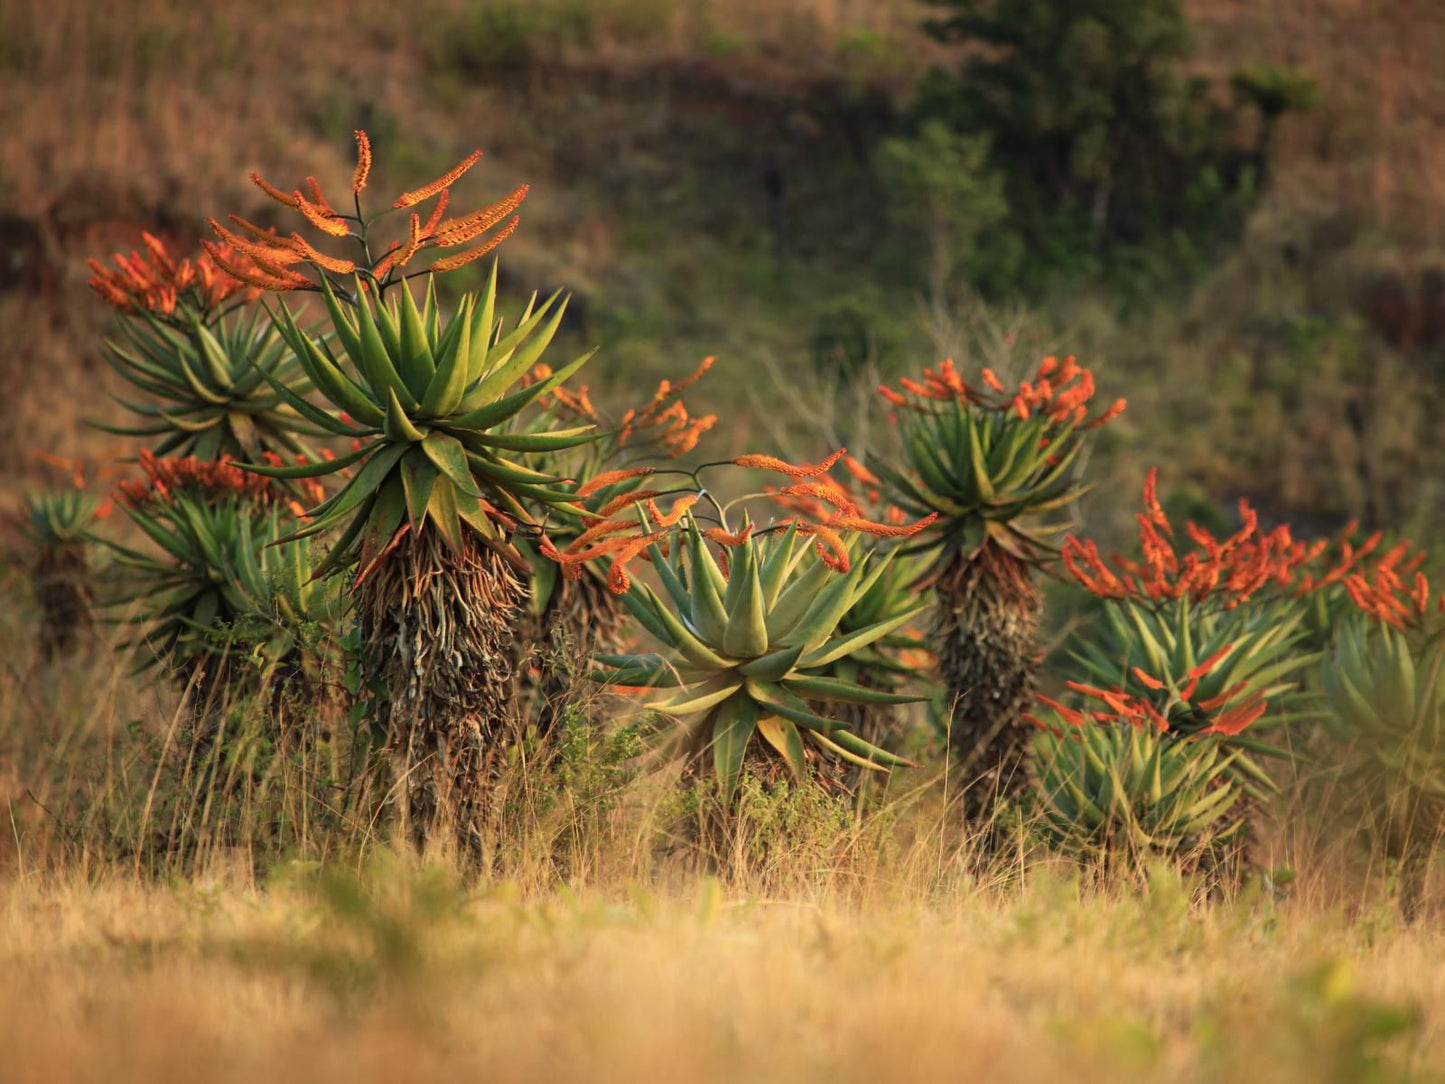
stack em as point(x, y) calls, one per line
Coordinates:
point(986, 632)
point(581, 617)
point(61, 581)
point(437, 628)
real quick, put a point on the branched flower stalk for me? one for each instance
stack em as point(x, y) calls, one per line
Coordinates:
point(578, 613)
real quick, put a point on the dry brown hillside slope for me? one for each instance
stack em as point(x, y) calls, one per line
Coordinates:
point(150, 113)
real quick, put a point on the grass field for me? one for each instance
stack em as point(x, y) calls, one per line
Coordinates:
point(404, 975)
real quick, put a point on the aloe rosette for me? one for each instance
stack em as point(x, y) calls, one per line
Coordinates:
point(1387, 709)
point(59, 528)
point(213, 389)
point(220, 589)
point(1126, 794)
point(1207, 669)
point(746, 651)
point(205, 367)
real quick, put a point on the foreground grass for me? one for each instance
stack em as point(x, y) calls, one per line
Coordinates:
point(402, 974)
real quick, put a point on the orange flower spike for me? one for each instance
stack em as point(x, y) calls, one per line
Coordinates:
point(1236, 721)
point(822, 491)
point(696, 375)
point(882, 530)
point(1147, 681)
point(625, 500)
point(1069, 715)
point(859, 472)
point(430, 226)
point(159, 256)
point(679, 509)
point(1395, 554)
point(768, 462)
point(1421, 594)
point(446, 180)
point(830, 546)
point(1151, 502)
point(1047, 367)
point(992, 381)
point(461, 259)
point(363, 161)
point(891, 396)
point(275, 251)
point(1109, 415)
point(319, 218)
point(611, 477)
point(1020, 408)
point(318, 200)
point(1209, 663)
point(458, 231)
point(413, 242)
point(274, 192)
point(277, 281)
point(724, 538)
point(330, 263)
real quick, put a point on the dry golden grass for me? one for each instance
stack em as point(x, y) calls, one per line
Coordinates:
point(402, 975)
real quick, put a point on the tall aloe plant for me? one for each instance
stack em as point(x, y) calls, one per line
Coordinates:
point(991, 465)
point(432, 495)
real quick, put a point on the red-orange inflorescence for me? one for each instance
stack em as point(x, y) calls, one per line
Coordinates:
point(277, 263)
point(212, 480)
point(1062, 390)
point(157, 283)
point(1233, 570)
point(1227, 714)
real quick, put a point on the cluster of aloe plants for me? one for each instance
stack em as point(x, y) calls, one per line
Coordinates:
point(410, 475)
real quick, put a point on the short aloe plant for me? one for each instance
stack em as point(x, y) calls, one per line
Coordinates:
point(1125, 794)
point(745, 653)
point(221, 583)
point(1387, 708)
point(59, 528)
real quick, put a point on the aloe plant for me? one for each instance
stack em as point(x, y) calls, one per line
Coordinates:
point(745, 654)
point(992, 466)
point(1387, 710)
point(1123, 795)
point(59, 528)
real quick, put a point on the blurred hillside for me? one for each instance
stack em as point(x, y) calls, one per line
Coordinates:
point(705, 180)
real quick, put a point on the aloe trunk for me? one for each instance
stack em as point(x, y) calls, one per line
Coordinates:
point(437, 628)
point(986, 634)
point(581, 618)
point(61, 581)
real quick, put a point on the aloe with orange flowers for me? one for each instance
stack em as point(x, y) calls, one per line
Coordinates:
point(620, 469)
point(992, 465)
point(432, 491)
point(1123, 794)
point(206, 370)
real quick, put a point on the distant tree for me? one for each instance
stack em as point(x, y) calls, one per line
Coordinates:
point(944, 188)
point(1103, 141)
